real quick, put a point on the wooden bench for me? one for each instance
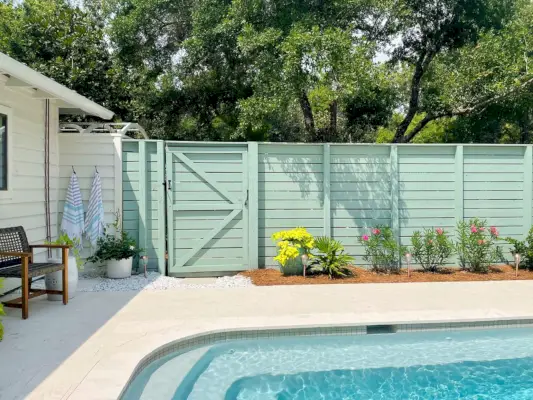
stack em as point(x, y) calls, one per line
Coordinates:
point(16, 261)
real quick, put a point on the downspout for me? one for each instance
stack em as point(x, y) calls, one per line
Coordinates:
point(47, 173)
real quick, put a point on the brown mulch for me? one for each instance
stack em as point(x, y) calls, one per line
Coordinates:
point(271, 277)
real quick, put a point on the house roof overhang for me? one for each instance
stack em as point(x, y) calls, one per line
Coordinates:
point(20, 75)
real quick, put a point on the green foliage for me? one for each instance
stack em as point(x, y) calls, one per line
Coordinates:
point(524, 248)
point(290, 70)
point(382, 250)
point(330, 258)
point(1, 313)
point(291, 244)
point(66, 43)
point(475, 245)
point(119, 246)
point(74, 247)
point(431, 249)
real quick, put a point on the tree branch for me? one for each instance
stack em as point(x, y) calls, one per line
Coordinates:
point(422, 63)
point(475, 108)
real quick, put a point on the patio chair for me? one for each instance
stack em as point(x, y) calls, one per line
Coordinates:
point(16, 261)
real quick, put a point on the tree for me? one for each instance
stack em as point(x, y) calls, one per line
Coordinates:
point(64, 43)
point(440, 31)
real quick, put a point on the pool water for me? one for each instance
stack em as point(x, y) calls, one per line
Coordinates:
point(478, 364)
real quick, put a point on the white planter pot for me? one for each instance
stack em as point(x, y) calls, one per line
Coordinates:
point(119, 269)
point(54, 280)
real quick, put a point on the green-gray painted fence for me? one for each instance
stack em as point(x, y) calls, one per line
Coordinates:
point(224, 200)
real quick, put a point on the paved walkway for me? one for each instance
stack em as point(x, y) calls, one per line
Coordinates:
point(88, 349)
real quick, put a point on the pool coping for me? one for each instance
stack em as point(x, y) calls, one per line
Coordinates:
point(210, 337)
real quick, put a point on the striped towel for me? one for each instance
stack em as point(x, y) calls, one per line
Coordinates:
point(72, 223)
point(94, 223)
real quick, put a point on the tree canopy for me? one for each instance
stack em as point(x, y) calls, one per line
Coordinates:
point(291, 70)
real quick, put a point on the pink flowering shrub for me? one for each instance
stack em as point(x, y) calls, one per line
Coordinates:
point(382, 250)
point(431, 249)
point(475, 245)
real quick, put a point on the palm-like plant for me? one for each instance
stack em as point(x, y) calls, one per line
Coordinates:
point(330, 258)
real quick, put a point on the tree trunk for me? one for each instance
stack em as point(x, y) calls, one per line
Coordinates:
point(421, 65)
point(307, 111)
point(333, 120)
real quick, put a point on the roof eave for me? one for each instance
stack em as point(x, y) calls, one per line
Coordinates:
point(36, 80)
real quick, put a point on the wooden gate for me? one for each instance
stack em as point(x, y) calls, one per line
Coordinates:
point(207, 208)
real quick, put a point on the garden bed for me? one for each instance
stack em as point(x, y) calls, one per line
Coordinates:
point(271, 277)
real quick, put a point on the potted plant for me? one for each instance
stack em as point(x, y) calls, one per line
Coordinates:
point(117, 252)
point(292, 244)
point(54, 280)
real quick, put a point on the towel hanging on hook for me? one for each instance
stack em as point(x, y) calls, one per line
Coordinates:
point(73, 171)
point(96, 169)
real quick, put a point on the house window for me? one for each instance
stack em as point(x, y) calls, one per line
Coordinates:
point(3, 152)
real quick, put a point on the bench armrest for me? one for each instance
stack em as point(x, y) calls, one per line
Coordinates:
point(15, 254)
point(50, 246)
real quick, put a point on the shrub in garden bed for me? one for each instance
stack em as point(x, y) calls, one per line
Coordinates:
point(330, 258)
point(475, 245)
point(292, 244)
point(431, 249)
point(382, 250)
point(524, 248)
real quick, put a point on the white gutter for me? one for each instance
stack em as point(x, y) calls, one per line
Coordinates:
point(36, 80)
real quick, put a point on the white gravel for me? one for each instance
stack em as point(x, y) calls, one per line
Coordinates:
point(155, 281)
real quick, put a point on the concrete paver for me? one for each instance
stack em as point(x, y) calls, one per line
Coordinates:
point(89, 349)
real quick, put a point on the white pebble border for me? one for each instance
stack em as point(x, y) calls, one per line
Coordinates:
point(155, 281)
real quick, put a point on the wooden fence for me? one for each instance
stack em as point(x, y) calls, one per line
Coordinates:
point(338, 190)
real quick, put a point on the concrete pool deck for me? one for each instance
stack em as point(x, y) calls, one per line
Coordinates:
point(88, 349)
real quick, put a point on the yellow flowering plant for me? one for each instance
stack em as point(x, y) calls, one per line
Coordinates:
point(292, 243)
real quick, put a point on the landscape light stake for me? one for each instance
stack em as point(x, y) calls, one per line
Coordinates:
point(517, 263)
point(408, 259)
point(305, 259)
point(145, 262)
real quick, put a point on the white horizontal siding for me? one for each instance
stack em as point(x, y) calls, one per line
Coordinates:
point(26, 204)
point(84, 153)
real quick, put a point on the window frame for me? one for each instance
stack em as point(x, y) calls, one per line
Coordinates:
point(8, 193)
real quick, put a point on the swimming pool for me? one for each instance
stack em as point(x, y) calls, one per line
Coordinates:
point(476, 364)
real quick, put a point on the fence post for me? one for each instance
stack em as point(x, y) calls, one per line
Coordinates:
point(253, 205)
point(459, 184)
point(394, 187)
point(528, 188)
point(161, 207)
point(117, 143)
point(326, 189)
point(143, 196)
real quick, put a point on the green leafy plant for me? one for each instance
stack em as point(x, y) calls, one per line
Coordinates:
point(115, 247)
point(292, 244)
point(382, 250)
point(1, 313)
point(475, 245)
point(330, 258)
point(431, 248)
point(524, 248)
point(74, 247)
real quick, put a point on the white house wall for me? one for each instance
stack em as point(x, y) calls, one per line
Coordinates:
point(26, 204)
point(84, 153)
